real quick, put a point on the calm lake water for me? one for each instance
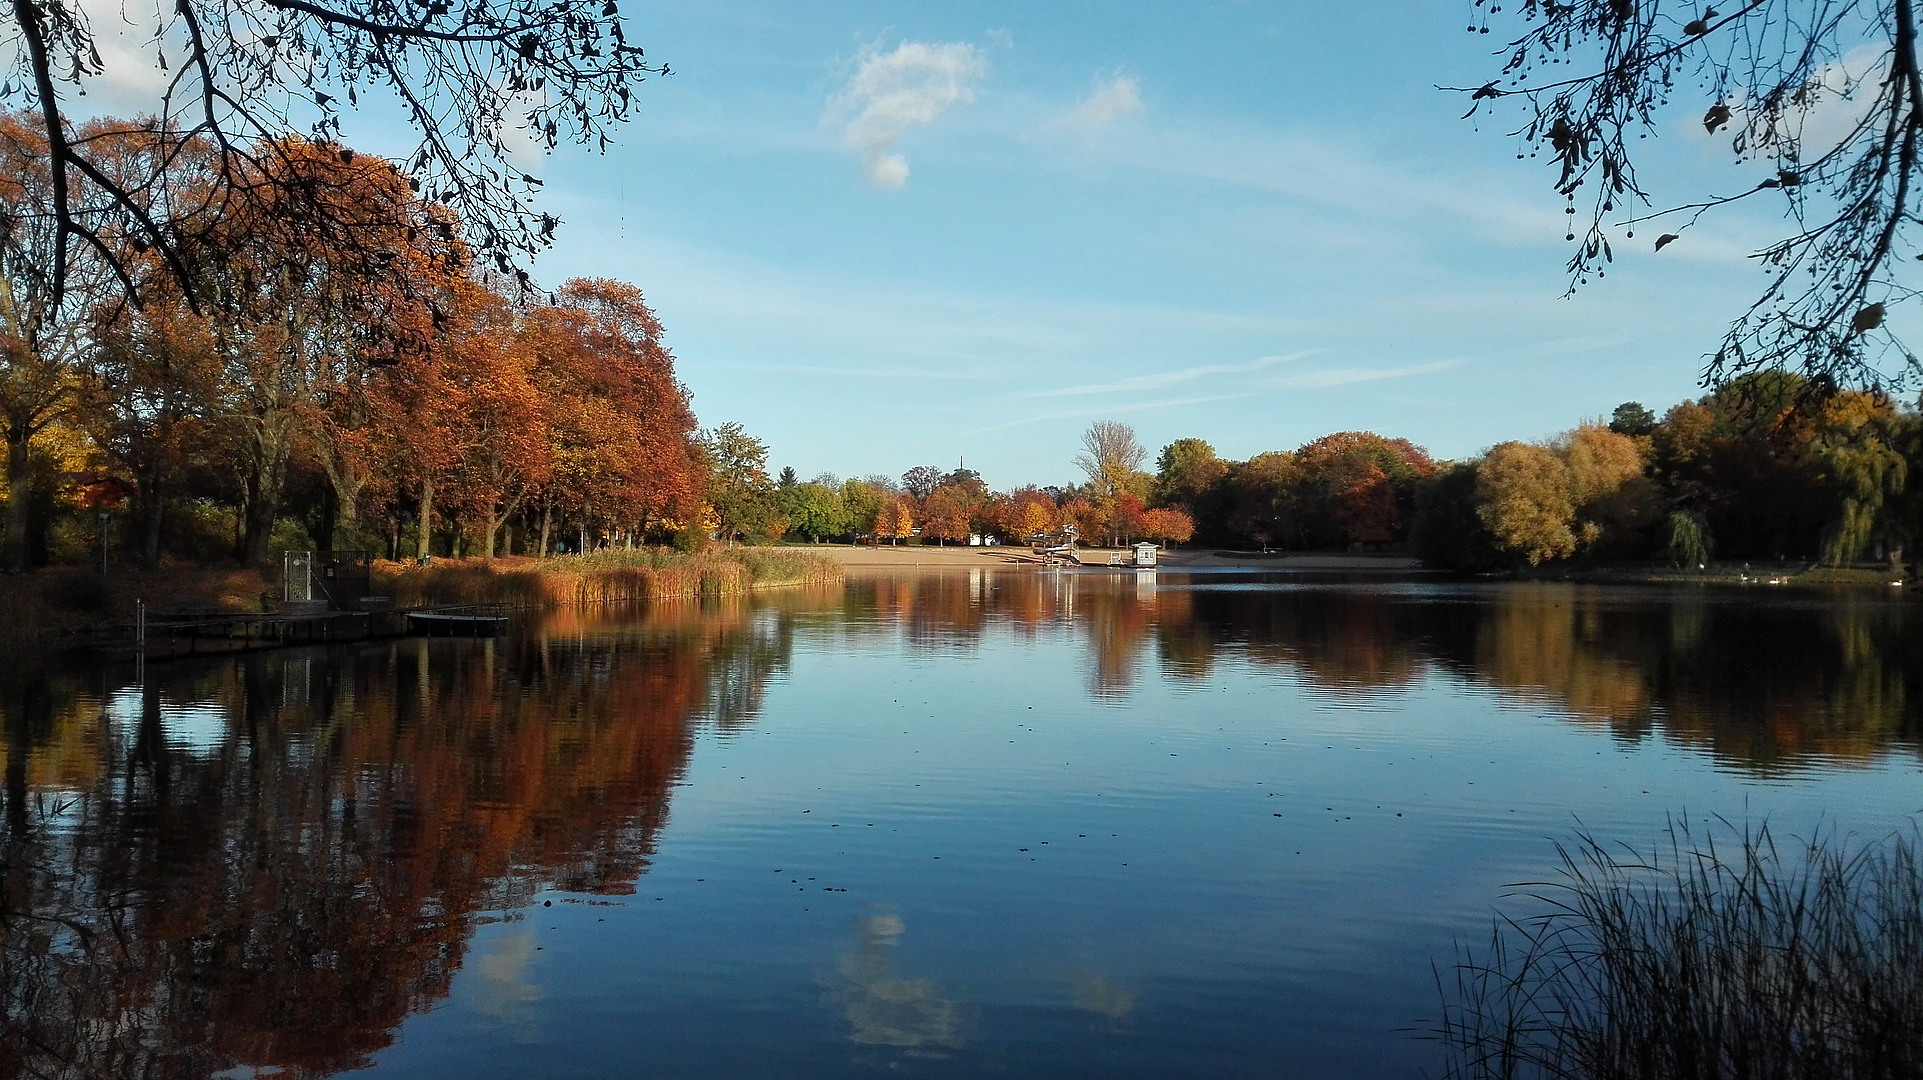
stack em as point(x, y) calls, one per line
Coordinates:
point(1019, 824)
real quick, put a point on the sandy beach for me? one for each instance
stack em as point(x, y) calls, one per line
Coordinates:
point(915, 556)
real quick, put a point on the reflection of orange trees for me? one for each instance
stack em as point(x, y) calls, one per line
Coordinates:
point(287, 897)
point(1544, 644)
point(1337, 641)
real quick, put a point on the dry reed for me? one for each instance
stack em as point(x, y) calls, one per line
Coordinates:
point(602, 577)
point(1702, 960)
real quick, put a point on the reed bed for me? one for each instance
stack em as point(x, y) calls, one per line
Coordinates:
point(1715, 955)
point(600, 577)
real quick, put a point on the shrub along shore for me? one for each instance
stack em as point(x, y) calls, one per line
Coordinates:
point(67, 602)
point(601, 577)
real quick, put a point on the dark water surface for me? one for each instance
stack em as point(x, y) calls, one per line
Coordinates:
point(1018, 824)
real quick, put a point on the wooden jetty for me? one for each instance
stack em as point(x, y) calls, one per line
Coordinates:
point(166, 639)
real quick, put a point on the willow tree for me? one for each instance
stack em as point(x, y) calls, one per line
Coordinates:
point(1821, 102)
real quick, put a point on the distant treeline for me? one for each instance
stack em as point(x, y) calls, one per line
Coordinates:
point(1767, 467)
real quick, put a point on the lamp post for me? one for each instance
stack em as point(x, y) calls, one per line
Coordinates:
point(104, 518)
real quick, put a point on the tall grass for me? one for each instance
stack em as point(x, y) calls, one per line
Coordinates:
point(600, 577)
point(1719, 955)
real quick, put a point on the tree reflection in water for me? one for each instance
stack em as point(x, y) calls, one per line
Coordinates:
point(285, 894)
point(273, 860)
point(1763, 683)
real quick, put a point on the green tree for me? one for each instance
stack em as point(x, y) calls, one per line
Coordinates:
point(1186, 471)
point(814, 511)
point(862, 502)
point(1858, 446)
point(744, 499)
point(921, 481)
point(1261, 495)
point(1630, 418)
point(1690, 542)
point(1523, 499)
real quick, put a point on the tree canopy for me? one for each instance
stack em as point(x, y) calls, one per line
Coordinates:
point(237, 78)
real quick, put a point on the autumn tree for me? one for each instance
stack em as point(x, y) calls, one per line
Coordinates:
point(239, 79)
point(299, 326)
point(1857, 441)
point(1167, 524)
point(1522, 495)
point(148, 378)
point(896, 518)
point(1357, 487)
point(1614, 501)
point(1261, 499)
point(947, 512)
point(1112, 459)
point(502, 450)
point(43, 322)
point(624, 448)
point(1822, 107)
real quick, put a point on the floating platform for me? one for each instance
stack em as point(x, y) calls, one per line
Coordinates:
point(450, 624)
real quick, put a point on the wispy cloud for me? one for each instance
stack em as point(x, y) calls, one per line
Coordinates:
point(928, 373)
point(892, 92)
point(1113, 98)
point(1329, 377)
point(1103, 410)
point(1162, 379)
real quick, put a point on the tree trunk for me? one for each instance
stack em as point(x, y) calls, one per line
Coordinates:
point(424, 539)
point(329, 520)
point(19, 493)
point(547, 521)
point(155, 498)
point(490, 521)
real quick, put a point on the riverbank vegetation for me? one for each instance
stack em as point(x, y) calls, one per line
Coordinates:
point(1767, 468)
point(285, 395)
point(1718, 954)
point(603, 577)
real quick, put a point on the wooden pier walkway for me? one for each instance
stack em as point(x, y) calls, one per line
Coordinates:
point(167, 639)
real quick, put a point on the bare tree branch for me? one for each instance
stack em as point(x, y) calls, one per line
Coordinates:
point(1822, 104)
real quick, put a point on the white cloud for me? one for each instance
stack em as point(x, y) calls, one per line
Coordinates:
point(1160, 379)
point(891, 92)
point(1321, 380)
point(1113, 99)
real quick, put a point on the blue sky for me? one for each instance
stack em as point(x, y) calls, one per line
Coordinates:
point(883, 235)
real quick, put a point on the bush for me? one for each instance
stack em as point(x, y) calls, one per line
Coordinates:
point(1702, 960)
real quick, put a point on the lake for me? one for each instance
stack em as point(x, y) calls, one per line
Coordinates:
point(1026, 824)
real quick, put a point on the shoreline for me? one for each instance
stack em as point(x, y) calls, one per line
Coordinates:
point(1014, 557)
